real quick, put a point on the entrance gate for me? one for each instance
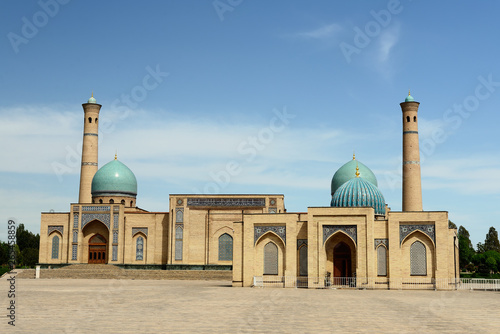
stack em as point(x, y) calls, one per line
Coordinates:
point(97, 249)
point(341, 263)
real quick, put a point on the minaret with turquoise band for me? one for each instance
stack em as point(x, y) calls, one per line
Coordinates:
point(89, 148)
point(412, 185)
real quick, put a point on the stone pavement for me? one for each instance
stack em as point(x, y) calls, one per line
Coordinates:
point(145, 306)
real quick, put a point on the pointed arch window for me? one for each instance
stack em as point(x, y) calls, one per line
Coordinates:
point(55, 247)
point(418, 259)
point(381, 261)
point(225, 247)
point(139, 249)
point(270, 259)
point(407, 118)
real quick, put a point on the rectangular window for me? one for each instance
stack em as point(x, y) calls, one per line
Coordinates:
point(270, 259)
point(381, 261)
point(115, 253)
point(178, 242)
point(74, 252)
point(55, 247)
point(418, 259)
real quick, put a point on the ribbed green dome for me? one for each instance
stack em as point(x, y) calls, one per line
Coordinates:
point(114, 178)
point(358, 192)
point(348, 171)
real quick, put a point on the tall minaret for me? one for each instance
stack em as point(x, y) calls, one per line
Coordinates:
point(89, 149)
point(412, 187)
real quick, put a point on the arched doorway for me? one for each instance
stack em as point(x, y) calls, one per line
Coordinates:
point(342, 266)
point(97, 249)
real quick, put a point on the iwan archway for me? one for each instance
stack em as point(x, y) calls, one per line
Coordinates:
point(95, 242)
point(340, 259)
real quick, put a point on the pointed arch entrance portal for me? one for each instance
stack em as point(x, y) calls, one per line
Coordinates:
point(97, 249)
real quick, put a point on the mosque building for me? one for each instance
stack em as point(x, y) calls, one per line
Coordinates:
point(357, 237)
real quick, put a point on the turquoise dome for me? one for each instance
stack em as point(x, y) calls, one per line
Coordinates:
point(92, 100)
point(409, 98)
point(114, 178)
point(348, 172)
point(359, 192)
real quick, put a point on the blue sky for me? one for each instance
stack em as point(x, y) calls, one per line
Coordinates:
point(285, 91)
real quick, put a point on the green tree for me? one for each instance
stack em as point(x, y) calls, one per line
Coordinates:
point(4, 253)
point(491, 242)
point(480, 248)
point(465, 249)
point(29, 256)
point(491, 264)
point(26, 239)
point(451, 225)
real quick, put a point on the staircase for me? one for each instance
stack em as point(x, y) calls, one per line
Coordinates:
point(108, 271)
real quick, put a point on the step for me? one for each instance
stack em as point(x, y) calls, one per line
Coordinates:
point(102, 271)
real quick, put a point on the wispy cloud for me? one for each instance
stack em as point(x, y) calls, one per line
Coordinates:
point(388, 39)
point(32, 141)
point(324, 32)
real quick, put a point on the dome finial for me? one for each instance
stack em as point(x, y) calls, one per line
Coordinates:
point(116, 155)
point(409, 92)
point(353, 155)
point(409, 98)
point(357, 170)
point(92, 99)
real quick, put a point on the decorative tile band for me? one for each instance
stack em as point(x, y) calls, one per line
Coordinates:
point(96, 208)
point(115, 253)
point(136, 230)
point(411, 162)
point(75, 220)
point(227, 202)
point(273, 210)
point(405, 230)
point(102, 217)
point(384, 242)
point(301, 242)
point(75, 236)
point(115, 221)
point(76, 208)
point(53, 228)
point(350, 230)
point(89, 163)
point(116, 208)
point(90, 134)
point(405, 132)
point(115, 237)
point(260, 230)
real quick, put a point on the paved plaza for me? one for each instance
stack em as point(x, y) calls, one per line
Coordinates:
point(170, 306)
